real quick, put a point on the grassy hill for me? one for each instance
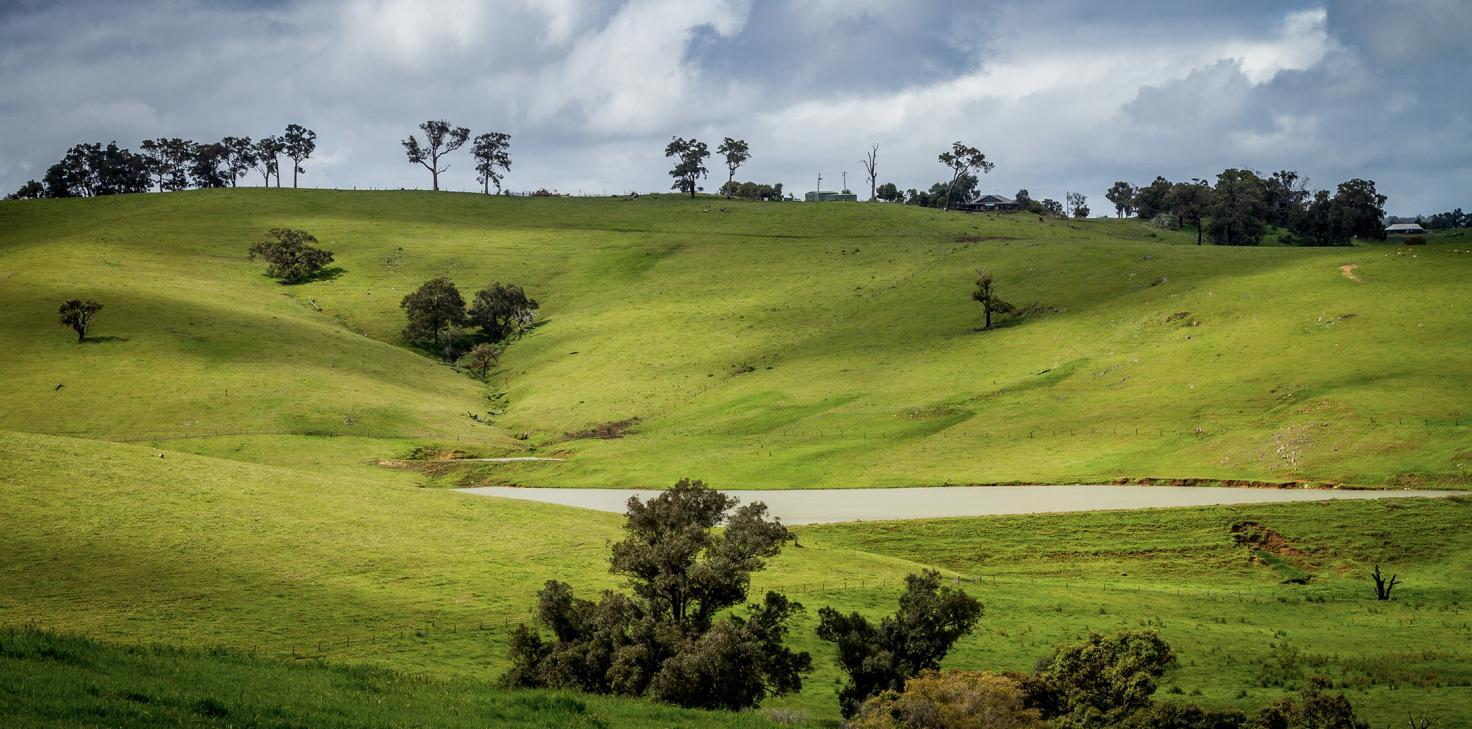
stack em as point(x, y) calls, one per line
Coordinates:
point(759, 345)
point(203, 472)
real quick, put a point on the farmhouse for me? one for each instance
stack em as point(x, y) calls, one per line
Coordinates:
point(1404, 229)
point(989, 204)
point(996, 202)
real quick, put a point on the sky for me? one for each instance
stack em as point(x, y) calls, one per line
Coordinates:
point(1062, 95)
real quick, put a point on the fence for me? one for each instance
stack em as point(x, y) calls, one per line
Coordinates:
point(1245, 601)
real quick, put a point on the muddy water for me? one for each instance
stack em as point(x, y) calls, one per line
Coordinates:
point(821, 506)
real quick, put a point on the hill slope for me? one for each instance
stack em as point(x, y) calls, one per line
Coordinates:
point(759, 345)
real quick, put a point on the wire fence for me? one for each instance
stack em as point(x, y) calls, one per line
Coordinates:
point(780, 434)
point(1242, 601)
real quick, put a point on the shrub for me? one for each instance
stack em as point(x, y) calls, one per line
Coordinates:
point(950, 700)
point(930, 619)
point(1101, 680)
point(664, 641)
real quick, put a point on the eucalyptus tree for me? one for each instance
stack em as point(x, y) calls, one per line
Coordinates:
point(492, 151)
point(690, 155)
point(735, 152)
point(298, 143)
point(963, 160)
point(440, 139)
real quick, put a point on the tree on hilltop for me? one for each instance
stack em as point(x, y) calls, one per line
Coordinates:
point(871, 170)
point(31, 190)
point(735, 152)
point(268, 158)
point(690, 155)
point(78, 315)
point(963, 160)
point(298, 143)
point(492, 151)
point(209, 168)
point(240, 156)
point(439, 139)
point(1122, 194)
point(1190, 202)
point(1238, 209)
point(1077, 204)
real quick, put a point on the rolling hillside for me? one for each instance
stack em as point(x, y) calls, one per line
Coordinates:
point(204, 472)
point(757, 345)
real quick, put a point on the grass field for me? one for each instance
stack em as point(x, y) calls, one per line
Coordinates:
point(769, 346)
point(52, 680)
point(108, 540)
point(203, 472)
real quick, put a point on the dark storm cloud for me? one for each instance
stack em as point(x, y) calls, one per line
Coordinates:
point(1063, 95)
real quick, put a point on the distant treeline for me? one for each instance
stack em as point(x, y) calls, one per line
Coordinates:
point(1439, 221)
point(1242, 205)
point(89, 170)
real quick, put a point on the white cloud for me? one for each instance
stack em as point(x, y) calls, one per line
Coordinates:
point(1060, 94)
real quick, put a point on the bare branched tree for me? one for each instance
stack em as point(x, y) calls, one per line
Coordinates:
point(871, 166)
point(440, 139)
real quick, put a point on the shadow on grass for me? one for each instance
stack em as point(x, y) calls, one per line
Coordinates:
point(103, 340)
point(327, 274)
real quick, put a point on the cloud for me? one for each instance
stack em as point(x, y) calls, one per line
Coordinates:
point(1063, 95)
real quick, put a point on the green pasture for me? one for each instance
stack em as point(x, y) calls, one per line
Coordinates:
point(760, 345)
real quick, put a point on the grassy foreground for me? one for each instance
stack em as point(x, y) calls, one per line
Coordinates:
point(108, 540)
point(758, 345)
point(57, 681)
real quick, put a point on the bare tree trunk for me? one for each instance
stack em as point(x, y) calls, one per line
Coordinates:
point(295, 167)
point(1383, 587)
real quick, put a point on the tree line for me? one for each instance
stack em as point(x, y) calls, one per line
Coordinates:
point(1241, 205)
point(680, 637)
point(90, 170)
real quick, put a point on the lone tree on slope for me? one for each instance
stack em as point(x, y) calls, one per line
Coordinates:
point(690, 165)
point(986, 295)
point(963, 160)
point(736, 153)
point(290, 254)
point(439, 139)
point(492, 151)
point(78, 315)
point(298, 143)
point(502, 311)
point(482, 358)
